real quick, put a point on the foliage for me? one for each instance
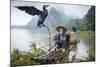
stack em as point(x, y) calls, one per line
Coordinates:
point(87, 23)
point(19, 58)
point(89, 19)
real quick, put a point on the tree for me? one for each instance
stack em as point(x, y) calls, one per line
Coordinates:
point(89, 19)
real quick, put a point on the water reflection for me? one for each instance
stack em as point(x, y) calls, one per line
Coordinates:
point(85, 49)
point(80, 51)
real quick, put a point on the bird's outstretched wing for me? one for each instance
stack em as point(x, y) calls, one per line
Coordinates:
point(30, 10)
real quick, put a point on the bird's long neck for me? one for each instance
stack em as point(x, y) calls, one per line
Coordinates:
point(44, 9)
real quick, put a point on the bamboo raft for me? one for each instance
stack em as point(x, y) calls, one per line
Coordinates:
point(55, 57)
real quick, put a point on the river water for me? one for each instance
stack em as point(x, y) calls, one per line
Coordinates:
point(21, 38)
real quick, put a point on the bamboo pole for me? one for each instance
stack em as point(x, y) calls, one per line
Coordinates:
point(49, 36)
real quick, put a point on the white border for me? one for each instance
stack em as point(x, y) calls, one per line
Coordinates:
point(5, 33)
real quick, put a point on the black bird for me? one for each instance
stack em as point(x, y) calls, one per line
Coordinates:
point(31, 10)
point(74, 29)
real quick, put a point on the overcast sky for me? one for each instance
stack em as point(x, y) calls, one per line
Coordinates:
point(21, 18)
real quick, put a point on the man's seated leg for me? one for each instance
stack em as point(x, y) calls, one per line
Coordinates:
point(59, 46)
point(58, 49)
point(63, 49)
point(64, 46)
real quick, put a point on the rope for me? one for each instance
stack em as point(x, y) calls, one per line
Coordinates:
point(49, 36)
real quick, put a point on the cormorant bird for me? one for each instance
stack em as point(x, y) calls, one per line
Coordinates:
point(74, 29)
point(31, 10)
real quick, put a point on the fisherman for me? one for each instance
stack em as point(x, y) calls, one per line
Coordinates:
point(61, 39)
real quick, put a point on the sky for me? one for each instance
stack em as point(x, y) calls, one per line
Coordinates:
point(21, 18)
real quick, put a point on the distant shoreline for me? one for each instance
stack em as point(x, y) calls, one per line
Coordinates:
point(22, 27)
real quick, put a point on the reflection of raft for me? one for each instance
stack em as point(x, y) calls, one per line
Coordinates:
point(55, 56)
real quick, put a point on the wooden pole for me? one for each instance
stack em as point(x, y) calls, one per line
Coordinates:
point(49, 36)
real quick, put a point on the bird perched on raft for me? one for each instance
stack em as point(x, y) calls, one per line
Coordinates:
point(31, 10)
